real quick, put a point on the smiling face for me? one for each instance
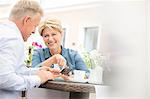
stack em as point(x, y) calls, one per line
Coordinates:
point(52, 38)
point(29, 25)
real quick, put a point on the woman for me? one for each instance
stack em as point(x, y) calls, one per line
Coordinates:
point(51, 31)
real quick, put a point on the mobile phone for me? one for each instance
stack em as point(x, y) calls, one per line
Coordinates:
point(66, 71)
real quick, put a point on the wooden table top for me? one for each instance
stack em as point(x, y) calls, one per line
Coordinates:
point(69, 86)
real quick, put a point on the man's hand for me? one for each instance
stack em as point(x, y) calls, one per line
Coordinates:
point(46, 73)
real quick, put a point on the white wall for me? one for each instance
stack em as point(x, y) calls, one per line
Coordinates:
point(123, 38)
point(147, 66)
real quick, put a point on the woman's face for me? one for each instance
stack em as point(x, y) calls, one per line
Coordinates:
point(52, 38)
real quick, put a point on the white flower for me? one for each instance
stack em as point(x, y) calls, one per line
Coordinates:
point(97, 58)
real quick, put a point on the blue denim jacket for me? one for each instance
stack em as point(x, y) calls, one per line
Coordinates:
point(74, 60)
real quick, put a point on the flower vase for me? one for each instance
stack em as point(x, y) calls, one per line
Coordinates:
point(96, 75)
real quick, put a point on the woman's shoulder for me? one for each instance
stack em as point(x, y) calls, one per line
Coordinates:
point(70, 51)
point(40, 50)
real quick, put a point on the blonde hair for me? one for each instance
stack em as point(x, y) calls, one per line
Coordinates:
point(50, 23)
point(25, 7)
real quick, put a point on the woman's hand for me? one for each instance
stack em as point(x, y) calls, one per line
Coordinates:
point(67, 77)
point(55, 59)
point(58, 59)
point(52, 70)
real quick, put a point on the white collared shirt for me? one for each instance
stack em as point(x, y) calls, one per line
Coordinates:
point(14, 76)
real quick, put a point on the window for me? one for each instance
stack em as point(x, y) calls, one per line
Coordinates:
point(6, 2)
point(63, 38)
point(90, 38)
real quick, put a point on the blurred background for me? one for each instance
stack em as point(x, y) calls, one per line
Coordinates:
point(117, 28)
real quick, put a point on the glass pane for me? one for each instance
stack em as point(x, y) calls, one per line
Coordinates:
point(91, 38)
point(63, 38)
point(6, 2)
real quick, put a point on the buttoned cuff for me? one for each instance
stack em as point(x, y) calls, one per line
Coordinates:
point(37, 81)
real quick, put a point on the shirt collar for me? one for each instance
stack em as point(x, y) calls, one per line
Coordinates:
point(46, 53)
point(12, 25)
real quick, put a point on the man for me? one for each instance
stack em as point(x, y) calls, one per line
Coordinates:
point(14, 76)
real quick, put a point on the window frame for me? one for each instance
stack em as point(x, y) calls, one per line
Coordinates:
point(81, 35)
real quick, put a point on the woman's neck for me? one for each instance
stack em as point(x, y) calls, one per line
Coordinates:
point(55, 51)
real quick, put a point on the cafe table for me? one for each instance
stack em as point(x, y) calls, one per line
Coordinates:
point(76, 90)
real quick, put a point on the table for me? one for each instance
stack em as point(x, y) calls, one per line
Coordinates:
point(77, 90)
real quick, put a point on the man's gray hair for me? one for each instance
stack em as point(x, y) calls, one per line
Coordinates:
point(25, 7)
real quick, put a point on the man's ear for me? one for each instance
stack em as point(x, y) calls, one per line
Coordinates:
point(26, 20)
